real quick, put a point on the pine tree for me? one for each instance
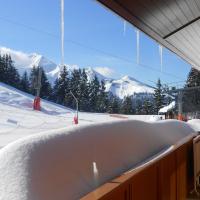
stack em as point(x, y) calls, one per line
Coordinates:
point(45, 90)
point(127, 106)
point(61, 87)
point(84, 92)
point(191, 98)
point(114, 105)
point(74, 86)
point(138, 107)
point(94, 88)
point(2, 69)
point(10, 73)
point(24, 83)
point(102, 101)
point(147, 107)
point(32, 80)
point(158, 97)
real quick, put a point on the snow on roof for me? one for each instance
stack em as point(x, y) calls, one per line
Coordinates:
point(67, 164)
point(168, 107)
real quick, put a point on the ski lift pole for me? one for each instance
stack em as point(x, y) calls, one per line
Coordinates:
point(37, 86)
point(75, 119)
point(180, 105)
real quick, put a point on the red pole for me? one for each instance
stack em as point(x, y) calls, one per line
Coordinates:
point(75, 120)
point(36, 104)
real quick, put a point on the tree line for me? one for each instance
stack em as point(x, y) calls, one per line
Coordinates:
point(91, 95)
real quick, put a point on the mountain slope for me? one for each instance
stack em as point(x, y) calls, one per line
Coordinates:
point(127, 86)
point(18, 119)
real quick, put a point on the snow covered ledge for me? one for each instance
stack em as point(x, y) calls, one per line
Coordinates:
point(72, 162)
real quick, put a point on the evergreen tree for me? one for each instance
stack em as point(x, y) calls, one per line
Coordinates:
point(45, 90)
point(32, 80)
point(61, 87)
point(138, 107)
point(127, 106)
point(74, 87)
point(102, 101)
point(9, 73)
point(158, 97)
point(147, 107)
point(84, 92)
point(45, 87)
point(94, 88)
point(24, 83)
point(2, 69)
point(191, 98)
point(168, 97)
point(114, 105)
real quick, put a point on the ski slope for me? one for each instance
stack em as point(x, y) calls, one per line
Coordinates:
point(18, 119)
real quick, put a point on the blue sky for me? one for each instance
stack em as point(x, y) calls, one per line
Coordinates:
point(93, 38)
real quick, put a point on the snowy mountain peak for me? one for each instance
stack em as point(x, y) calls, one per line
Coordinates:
point(129, 79)
point(91, 73)
point(39, 60)
point(126, 86)
point(25, 61)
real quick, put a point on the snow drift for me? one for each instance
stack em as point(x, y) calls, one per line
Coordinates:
point(195, 124)
point(70, 163)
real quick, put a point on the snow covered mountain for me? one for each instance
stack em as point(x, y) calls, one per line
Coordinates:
point(23, 61)
point(126, 86)
point(91, 73)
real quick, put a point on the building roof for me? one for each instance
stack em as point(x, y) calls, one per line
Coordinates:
point(168, 108)
point(174, 24)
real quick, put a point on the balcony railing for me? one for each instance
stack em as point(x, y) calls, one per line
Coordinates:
point(167, 176)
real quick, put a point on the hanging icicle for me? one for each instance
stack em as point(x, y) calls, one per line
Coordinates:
point(124, 31)
point(138, 46)
point(62, 32)
point(161, 57)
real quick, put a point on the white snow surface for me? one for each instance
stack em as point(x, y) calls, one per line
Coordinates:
point(168, 107)
point(44, 156)
point(155, 118)
point(195, 124)
point(69, 163)
point(17, 118)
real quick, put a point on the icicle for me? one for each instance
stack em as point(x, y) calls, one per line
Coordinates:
point(161, 57)
point(124, 32)
point(62, 32)
point(95, 173)
point(138, 46)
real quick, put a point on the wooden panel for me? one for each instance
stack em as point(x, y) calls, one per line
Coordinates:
point(120, 193)
point(181, 162)
point(190, 167)
point(167, 177)
point(144, 184)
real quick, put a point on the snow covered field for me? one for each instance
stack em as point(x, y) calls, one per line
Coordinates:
point(46, 156)
point(67, 164)
point(17, 118)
